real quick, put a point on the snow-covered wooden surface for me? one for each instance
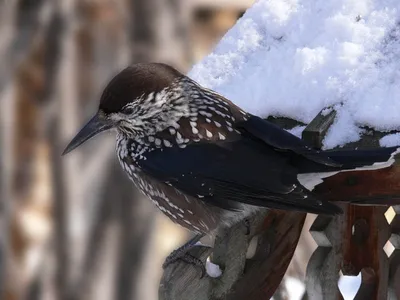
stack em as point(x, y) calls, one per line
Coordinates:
point(292, 58)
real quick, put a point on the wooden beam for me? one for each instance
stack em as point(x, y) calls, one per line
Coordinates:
point(378, 187)
point(354, 241)
point(365, 232)
point(276, 246)
point(315, 132)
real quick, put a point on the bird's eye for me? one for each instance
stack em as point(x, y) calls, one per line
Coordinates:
point(127, 111)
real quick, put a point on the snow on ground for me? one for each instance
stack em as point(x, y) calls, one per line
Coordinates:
point(295, 57)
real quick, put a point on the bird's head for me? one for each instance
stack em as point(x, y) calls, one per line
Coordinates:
point(140, 100)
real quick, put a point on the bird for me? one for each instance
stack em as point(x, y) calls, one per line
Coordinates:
point(205, 162)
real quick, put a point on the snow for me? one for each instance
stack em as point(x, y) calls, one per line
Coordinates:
point(390, 140)
point(326, 111)
point(212, 270)
point(349, 285)
point(294, 58)
point(297, 131)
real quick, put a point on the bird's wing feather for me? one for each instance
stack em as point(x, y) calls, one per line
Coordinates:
point(282, 140)
point(242, 170)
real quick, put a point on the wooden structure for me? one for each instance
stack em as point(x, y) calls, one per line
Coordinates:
point(351, 243)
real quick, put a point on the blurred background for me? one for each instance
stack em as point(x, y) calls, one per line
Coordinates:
point(75, 227)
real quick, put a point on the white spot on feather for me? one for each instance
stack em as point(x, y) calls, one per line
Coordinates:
point(172, 131)
point(167, 143)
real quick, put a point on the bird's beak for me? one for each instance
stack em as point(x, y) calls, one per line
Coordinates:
point(97, 124)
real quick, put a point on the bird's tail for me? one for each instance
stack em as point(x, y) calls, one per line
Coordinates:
point(311, 174)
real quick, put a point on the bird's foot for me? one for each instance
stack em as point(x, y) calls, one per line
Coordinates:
point(182, 254)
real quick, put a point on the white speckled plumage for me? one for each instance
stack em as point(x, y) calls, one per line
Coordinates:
point(208, 118)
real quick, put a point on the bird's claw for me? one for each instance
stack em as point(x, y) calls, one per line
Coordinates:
point(182, 254)
point(187, 258)
point(194, 261)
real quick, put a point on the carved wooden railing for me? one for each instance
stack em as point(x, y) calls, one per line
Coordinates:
point(254, 265)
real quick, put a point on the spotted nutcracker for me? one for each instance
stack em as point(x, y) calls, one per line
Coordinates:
point(205, 162)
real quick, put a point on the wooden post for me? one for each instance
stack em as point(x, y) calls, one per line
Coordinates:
point(272, 241)
point(354, 242)
point(394, 259)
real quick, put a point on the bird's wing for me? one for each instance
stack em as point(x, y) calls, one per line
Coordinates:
point(282, 140)
point(238, 170)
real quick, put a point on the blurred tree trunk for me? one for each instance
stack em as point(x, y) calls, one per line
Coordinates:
point(157, 32)
point(7, 97)
point(66, 200)
point(154, 36)
point(19, 21)
point(102, 226)
point(6, 144)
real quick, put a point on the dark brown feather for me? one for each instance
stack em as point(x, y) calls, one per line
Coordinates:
point(133, 82)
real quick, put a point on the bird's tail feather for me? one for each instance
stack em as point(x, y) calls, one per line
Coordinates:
point(371, 159)
point(311, 174)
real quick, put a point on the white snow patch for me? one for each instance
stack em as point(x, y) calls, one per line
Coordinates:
point(294, 58)
point(349, 285)
point(212, 270)
point(390, 140)
point(297, 131)
point(326, 111)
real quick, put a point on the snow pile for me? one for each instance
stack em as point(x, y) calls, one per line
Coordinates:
point(390, 140)
point(295, 57)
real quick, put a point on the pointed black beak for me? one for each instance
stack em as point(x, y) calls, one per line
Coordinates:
point(96, 125)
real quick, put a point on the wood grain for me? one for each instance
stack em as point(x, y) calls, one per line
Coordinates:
point(252, 279)
point(378, 187)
